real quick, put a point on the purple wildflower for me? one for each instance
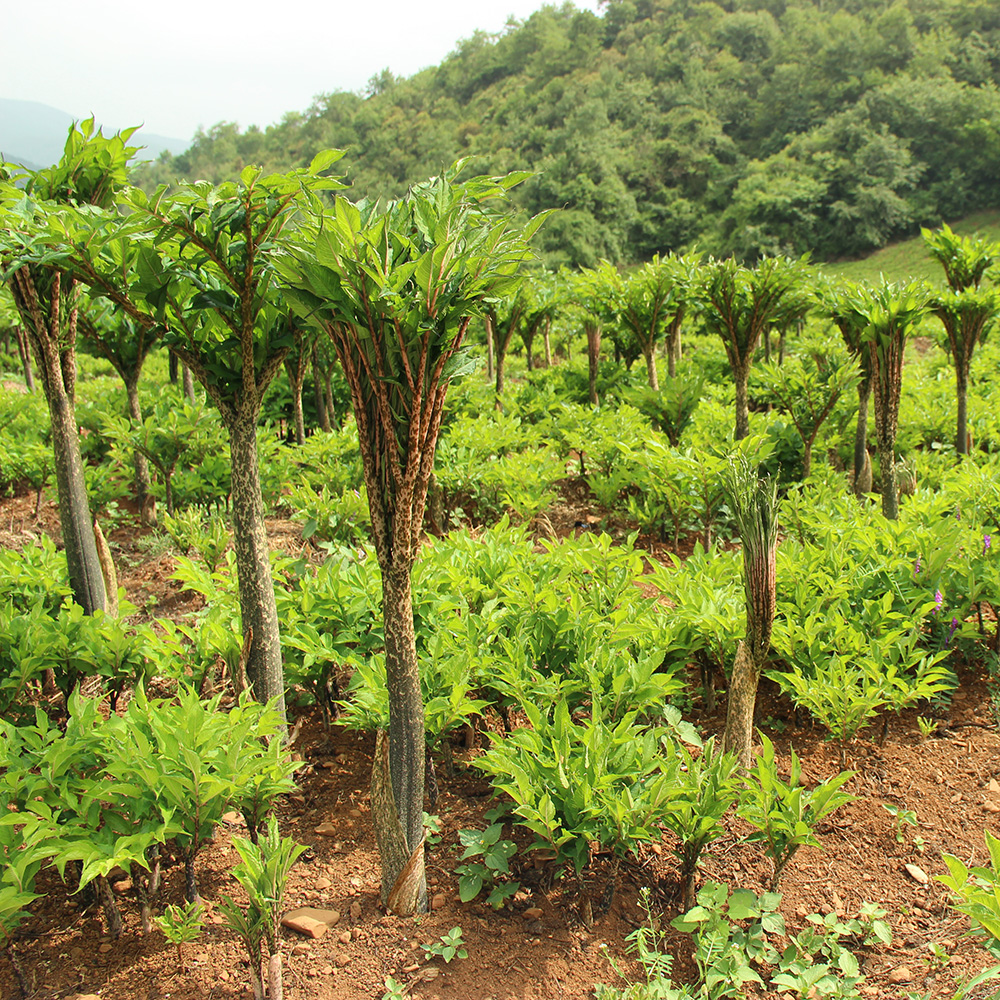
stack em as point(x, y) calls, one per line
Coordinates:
point(916, 567)
point(938, 601)
point(987, 540)
point(951, 630)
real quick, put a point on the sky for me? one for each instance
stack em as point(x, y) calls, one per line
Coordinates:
point(189, 64)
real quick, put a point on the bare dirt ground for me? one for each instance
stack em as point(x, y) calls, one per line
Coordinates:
point(552, 942)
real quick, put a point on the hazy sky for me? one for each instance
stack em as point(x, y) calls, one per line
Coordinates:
point(190, 63)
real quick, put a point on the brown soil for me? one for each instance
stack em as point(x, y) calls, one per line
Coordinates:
point(552, 941)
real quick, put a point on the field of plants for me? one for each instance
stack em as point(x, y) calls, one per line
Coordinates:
point(383, 616)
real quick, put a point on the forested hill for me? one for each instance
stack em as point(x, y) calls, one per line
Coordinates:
point(745, 126)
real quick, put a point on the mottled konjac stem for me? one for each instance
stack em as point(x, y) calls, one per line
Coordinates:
point(253, 564)
point(962, 398)
point(651, 376)
point(593, 359)
point(145, 911)
point(275, 989)
point(25, 355)
point(489, 349)
point(139, 462)
point(741, 705)
point(501, 358)
point(322, 413)
point(861, 433)
point(887, 474)
point(86, 579)
point(190, 884)
point(109, 905)
point(406, 707)
point(673, 345)
point(741, 375)
point(15, 963)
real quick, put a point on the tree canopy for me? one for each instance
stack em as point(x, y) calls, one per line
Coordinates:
point(746, 126)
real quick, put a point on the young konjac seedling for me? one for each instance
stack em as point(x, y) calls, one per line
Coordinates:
point(786, 814)
point(181, 924)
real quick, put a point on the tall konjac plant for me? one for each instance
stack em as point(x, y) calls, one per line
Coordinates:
point(967, 317)
point(844, 304)
point(890, 313)
point(47, 295)
point(754, 502)
point(967, 311)
point(739, 304)
point(395, 287)
point(212, 284)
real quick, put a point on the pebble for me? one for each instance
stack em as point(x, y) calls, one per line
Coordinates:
point(310, 920)
point(104, 949)
point(345, 937)
point(323, 883)
point(326, 830)
point(991, 807)
point(917, 874)
point(355, 910)
point(302, 949)
point(901, 974)
point(532, 913)
point(343, 960)
point(327, 970)
point(438, 901)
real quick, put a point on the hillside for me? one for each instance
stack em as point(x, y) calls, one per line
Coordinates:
point(743, 126)
point(34, 134)
point(908, 259)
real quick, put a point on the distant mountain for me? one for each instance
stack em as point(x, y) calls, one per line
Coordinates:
point(34, 134)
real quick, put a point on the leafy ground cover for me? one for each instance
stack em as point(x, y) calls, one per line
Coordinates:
point(916, 798)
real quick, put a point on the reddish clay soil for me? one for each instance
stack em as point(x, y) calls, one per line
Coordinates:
point(552, 941)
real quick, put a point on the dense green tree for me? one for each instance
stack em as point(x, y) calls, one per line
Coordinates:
point(745, 128)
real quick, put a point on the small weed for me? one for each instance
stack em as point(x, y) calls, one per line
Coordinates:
point(395, 990)
point(432, 830)
point(901, 819)
point(449, 946)
point(937, 958)
point(494, 856)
